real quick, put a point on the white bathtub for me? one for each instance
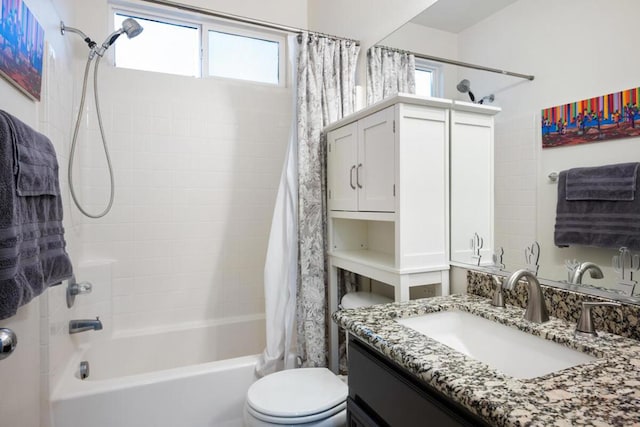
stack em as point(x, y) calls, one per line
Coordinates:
point(193, 377)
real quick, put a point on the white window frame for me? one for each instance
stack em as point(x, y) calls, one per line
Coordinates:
point(204, 24)
point(437, 76)
point(245, 31)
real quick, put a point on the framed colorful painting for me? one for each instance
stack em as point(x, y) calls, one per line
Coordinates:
point(21, 47)
point(612, 116)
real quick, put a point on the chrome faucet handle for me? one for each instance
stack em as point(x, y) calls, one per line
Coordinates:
point(76, 288)
point(498, 295)
point(585, 327)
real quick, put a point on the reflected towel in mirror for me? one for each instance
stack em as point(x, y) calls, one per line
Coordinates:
point(609, 182)
point(599, 223)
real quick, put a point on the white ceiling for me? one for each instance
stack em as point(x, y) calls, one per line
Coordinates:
point(456, 15)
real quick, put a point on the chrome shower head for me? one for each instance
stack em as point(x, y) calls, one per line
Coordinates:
point(464, 86)
point(130, 27)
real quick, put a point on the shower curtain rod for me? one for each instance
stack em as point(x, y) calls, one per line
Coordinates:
point(474, 66)
point(238, 18)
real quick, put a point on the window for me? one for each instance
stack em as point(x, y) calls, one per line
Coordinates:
point(166, 47)
point(241, 57)
point(428, 76)
point(202, 48)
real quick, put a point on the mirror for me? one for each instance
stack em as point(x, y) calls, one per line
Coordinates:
point(520, 36)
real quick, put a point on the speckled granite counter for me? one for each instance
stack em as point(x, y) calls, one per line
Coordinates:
point(600, 393)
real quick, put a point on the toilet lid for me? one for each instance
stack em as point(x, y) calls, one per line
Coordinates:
point(297, 392)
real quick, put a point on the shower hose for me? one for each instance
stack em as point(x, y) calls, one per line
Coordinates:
point(104, 140)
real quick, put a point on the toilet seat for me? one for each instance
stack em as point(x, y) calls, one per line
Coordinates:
point(297, 396)
point(297, 420)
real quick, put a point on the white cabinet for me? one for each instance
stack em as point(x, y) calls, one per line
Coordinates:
point(397, 173)
point(360, 164)
point(472, 186)
point(388, 196)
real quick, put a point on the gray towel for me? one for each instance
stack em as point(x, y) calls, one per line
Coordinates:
point(600, 223)
point(609, 182)
point(32, 245)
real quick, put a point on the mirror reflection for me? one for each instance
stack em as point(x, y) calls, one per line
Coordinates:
point(542, 39)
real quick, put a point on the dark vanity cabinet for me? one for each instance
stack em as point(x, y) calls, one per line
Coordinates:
point(383, 394)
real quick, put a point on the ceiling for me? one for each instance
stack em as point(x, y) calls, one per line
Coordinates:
point(456, 15)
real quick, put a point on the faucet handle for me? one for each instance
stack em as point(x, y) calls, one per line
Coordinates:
point(498, 297)
point(76, 288)
point(585, 327)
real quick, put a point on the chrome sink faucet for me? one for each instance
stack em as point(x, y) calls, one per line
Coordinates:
point(594, 271)
point(81, 325)
point(536, 308)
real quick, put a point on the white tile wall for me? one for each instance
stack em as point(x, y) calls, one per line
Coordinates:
point(197, 163)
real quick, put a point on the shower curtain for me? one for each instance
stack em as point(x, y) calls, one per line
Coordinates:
point(325, 92)
point(389, 71)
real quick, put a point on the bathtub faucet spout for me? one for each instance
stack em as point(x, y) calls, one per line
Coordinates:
point(81, 325)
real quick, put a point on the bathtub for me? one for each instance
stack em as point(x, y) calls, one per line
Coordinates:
point(184, 377)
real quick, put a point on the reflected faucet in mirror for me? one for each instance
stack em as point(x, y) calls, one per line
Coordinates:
point(594, 271)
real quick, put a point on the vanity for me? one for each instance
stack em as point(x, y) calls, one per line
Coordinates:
point(400, 376)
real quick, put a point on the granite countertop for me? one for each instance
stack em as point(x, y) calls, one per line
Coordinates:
point(600, 393)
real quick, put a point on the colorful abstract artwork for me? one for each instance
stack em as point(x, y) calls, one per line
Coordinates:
point(21, 47)
point(612, 116)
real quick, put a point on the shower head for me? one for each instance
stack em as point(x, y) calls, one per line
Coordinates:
point(130, 27)
point(464, 86)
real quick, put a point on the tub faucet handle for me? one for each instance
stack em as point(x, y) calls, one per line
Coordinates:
point(76, 288)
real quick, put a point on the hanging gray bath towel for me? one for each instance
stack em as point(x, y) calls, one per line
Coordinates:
point(610, 223)
point(32, 245)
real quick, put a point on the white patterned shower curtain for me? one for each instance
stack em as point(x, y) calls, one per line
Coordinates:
point(325, 92)
point(389, 71)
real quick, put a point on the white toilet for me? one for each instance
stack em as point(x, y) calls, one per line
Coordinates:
point(311, 397)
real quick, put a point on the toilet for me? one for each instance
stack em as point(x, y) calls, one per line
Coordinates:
point(310, 397)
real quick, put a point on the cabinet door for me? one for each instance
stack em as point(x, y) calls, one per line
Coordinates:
point(471, 186)
point(375, 171)
point(342, 157)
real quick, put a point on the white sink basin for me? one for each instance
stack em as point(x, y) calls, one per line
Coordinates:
point(506, 349)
